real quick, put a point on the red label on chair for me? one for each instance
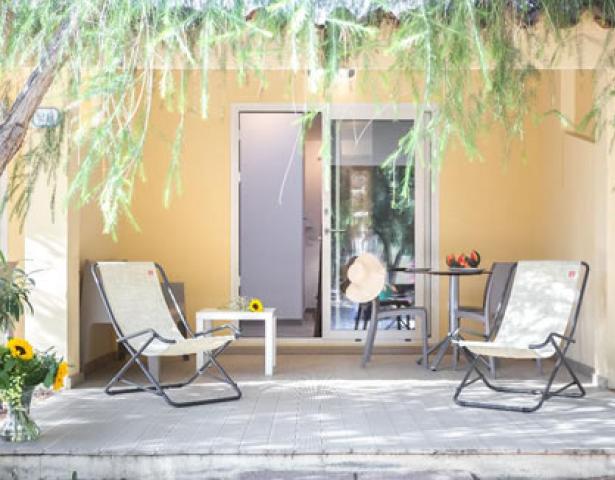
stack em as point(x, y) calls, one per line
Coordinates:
point(572, 274)
point(150, 272)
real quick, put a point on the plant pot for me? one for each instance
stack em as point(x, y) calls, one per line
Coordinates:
point(18, 425)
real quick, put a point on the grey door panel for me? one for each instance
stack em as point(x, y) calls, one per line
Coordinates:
point(271, 211)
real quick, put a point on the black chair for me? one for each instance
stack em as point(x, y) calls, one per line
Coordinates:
point(495, 291)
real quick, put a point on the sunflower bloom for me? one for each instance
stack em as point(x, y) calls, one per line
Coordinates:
point(20, 349)
point(255, 305)
point(61, 374)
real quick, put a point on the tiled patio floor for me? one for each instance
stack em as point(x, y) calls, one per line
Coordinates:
point(319, 406)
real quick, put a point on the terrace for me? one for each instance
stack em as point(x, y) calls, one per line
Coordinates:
point(255, 150)
point(317, 418)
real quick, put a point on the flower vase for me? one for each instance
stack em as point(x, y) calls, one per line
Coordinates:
point(18, 425)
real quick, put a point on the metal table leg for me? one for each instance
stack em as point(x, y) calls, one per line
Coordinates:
point(453, 307)
point(442, 348)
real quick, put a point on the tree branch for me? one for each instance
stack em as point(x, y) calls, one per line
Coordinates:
point(14, 127)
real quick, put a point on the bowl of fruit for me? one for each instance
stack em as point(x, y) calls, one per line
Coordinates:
point(463, 261)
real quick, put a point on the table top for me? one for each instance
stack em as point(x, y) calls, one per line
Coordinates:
point(411, 270)
point(228, 314)
point(460, 272)
point(448, 272)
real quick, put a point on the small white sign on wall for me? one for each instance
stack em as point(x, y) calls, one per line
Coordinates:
point(46, 117)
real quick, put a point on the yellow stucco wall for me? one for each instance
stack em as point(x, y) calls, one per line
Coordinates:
point(485, 204)
point(571, 201)
point(544, 199)
point(48, 245)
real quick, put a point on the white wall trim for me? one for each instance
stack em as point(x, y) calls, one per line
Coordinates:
point(428, 245)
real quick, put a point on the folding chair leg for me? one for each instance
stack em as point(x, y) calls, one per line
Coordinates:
point(575, 380)
point(357, 319)
point(118, 376)
point(544, 393)
point(425, 357)
point(492, 366)
point(466, 379)
point(157, 388)
point(371, 336)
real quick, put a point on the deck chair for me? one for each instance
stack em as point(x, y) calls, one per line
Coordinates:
point(537, 322)
point(133, 298)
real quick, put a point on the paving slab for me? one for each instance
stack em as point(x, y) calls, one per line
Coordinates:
point(323, 414)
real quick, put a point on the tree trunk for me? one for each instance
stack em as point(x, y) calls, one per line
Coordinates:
point(14, 126)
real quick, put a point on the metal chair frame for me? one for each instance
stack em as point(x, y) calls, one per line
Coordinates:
point(488, 310)
point(556, 340)
point(402, 321)
point(379, 314)
point(155, 386)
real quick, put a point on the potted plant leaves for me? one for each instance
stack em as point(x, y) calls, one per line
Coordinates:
point(22, 369)
point(15, 288)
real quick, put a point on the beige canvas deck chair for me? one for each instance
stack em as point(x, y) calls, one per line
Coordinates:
point(537, 322)
point(133, 297)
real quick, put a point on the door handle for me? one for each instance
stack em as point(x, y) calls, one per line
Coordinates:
point(334, 230)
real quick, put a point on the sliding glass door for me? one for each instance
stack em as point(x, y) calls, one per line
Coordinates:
point(366, 209)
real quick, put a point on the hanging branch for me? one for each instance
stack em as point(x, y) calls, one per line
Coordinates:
point(14, 128)
point(124, 48)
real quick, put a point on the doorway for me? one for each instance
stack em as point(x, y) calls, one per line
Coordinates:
point(297, 219)
point(383, 211)
point(279, 197)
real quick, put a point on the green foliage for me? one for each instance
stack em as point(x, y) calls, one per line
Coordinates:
point(21, 369)
point(41, 162)
point(15, 287)
point(462, 56)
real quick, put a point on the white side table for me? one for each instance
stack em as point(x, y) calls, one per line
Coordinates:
point(205, 317)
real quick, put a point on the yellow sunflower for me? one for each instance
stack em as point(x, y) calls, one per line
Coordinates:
point(255, 305)
point(61, 373)
point(20, 348)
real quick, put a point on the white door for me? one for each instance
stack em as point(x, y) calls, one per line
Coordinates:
point(271, 210)
point(362, 212)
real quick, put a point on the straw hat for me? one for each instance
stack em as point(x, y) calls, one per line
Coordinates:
point(366, 278)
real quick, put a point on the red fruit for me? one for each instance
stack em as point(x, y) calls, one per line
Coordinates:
point(450, 260)
point(474, 258)
point(461, 260)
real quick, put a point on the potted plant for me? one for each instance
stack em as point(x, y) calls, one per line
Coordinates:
point(22, 369)
point(15, 288)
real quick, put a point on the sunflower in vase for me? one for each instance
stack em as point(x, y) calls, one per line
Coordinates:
point(22, 369)
point(246, 304)
point(256, 305)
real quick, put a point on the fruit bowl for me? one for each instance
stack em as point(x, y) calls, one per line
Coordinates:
point(463, 261)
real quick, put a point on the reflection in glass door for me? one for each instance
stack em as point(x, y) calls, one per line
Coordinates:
point(366, 213)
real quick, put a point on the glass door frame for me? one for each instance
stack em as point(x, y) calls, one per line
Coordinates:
point(426, 248)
